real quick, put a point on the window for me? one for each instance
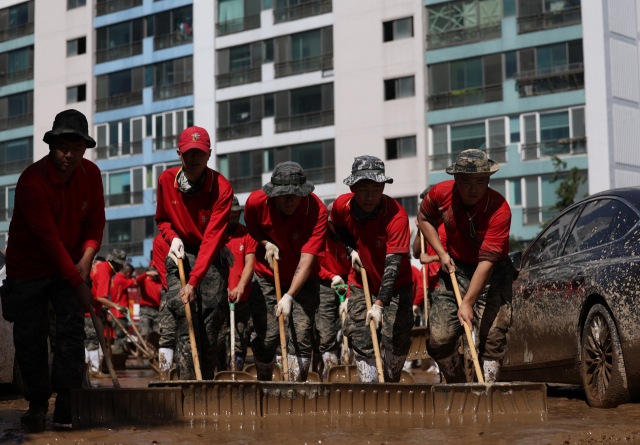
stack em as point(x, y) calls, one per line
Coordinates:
point(15, 155)
point(269, 109)
point(554, 133)
point(399, 88)
point(120, 231)
point(76, 94)
point(510, 64)
point(409, 204)
point(240, 58)
point(464, 137)
point(73, 4)
point(169, 126)
point(19, 15)
point(306, 100)
point(463, 14)
point(515, 192)
point(306, 44)
point(397, 29)
point(594, 226)
point(267, 51)
point(123, 187)
point(508, 8)
point(76, 47)
point(468, 74)
point(514, 127)
point(309, 156)
point(626, 219)
point(499, 185)
point(20, 60)
point(401, 147)
point(150, 227)
point(545, 248)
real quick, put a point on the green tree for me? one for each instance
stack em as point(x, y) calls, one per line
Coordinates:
point(568, 185)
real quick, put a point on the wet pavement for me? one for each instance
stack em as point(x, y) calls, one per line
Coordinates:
point(569, 421)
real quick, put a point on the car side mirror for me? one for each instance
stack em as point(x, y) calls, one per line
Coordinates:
point(516, 259)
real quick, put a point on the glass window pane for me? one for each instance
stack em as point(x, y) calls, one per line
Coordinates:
point(119, 231)
point(492, 69)
point(515, 192)
point(404, 28)
point(439, 77)
point(240, 58)
point(119, 183)
point(545, 248)
point(499, 186)
point(464, 14)
point(240, 111)
point(189, 118)
point(18, 60)
point(464, 137)
point(230, 10)
point(392, 148)
point(308, 155)
point(114, 136)
point(72, 95)
point(18, 15)
point(531, 191)
point(245, 164)
point(72, 48)
point(552, 56)
point(510, 64)
point(554, 126)
point(490, 11)
point(496, 133)
point(268, 105)
point(439, 18)
point(530, 131)
point(11, 197)
point(269, 160)
point(223, 166)
point(509, 8)
point(408, 147)
point(306, 100)
point(440, 145)
point(466, 74)
point(120, 83)
point(306, 44)
point(594, 226)
point(119, 34)
point(267, 4)
point(182, 21)
point(406, 87)
point(575, 52)
point(625, 220)
point(268, 51)
point(387, 31)
point(577, 123)
point(514, 126)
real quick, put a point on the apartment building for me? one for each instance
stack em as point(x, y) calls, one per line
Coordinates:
point(508, 77)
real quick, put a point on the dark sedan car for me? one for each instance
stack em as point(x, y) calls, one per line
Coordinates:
point(576, 301)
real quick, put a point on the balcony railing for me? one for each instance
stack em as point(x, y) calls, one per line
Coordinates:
point(321, 175)
point(444, 160)
point(166, 142)
point(18, 31)
point(549, 20)
point(123, 199)
point(239, 131)
point(173, 90)
point(301, 11)
point(461, 98)
point(550, 80)
point(173, 39)
point(533, 216)
point(238, 25)
point(6, 214)
point(21, 120)
point(241, 185)
point(7, 168)
point(557, 147)
point(239, 77)
point(303, 121)
point(117, 150)
point(16, 76)
point(461, 36)
point(107, 7)
point(316, 63)
point(131, 248)
point(119, 101)
point(119, 52)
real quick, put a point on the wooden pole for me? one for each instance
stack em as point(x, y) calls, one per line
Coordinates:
point(283, 338)
point(192, 335)
point(372, 325)
point(467, 330)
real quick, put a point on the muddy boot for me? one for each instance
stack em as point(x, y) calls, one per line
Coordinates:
point(392, 365)
point(491, 370)
point(95, 365)
point(298, 368)
point(264, 371)
point(330, 359)
point(62, 411)
point(452, 368)
point(367, 371)
point(239, 363)
point(33, 420)
point(165, 359)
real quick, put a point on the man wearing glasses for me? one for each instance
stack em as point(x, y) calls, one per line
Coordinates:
point(477, 221)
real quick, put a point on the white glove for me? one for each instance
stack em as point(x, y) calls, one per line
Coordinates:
point(355, 261)
point(343, 306)
point(272, 252)
point(227, 255)
point(335, 281)
point(416, 310)
point(177, 248)
point(375, 314)
point(284, 306)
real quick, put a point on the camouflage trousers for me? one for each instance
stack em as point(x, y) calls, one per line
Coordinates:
point(26, 304)
point(491, 318)
point(397, 321)
point(299, 329)
point(166, 323)
point(242, 315)
point(208, 312)
point(91, 342)
point(149, 318)
point(121, 339)
point(327, 322)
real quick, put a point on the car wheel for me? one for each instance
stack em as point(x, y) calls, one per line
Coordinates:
point(602, 366)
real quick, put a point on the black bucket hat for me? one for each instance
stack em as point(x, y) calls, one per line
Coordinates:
point(367, 167)
point(473, 162)
point(69, 122)
point(288, 179)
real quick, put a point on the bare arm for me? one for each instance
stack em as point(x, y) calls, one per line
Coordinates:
point(307, 260)
point(245, 278)
point(432, 237)
point(416, 246)
point(476, 287)
point(108, 303)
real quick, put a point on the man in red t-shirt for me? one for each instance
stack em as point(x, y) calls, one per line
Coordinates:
point(193, 209)
point(150, 286)
point(375, 231)
point(477, 222)
point(122, 281)
point(289, 224)
point(243, 247)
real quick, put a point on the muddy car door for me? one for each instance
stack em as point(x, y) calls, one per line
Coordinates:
point(529, 340)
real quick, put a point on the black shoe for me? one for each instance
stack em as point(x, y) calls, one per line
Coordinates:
point(62, 412)
point(34, 419)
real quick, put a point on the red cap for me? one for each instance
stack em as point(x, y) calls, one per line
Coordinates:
point(152, 264)
point(194, 137)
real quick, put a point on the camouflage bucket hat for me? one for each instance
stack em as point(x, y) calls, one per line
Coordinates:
point(235, 204)
point(288, 179)
point(367, 167)
point(118, 256)
point(473, 162)
point(69, 122)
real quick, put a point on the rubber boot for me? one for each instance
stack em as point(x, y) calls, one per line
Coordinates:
point(330, 359)
point(165, 358)
point(62, 411)
point(452, 368)
point(298, 368)
point(95, 370)
point(367, 371)
point(491, 370)
point(34, 419)
point(239, 363)
point(264, 370)
point(392, 366)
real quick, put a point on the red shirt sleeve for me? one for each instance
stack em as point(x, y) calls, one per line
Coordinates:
point(398, 234)
point(250, 245)
point(162, 218)
point(325, 274)
point(316, 245)
point(496, 240)
point(430, 205)
point(104, 281)
point(140, 279)
point(94, 221)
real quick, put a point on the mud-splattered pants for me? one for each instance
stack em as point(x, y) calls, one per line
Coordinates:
point(242, 316)
point(166, 323)
point(491, 318)
point(121, 338)
point(149, 317)
point(208, 312)
point(327, 320)
point(91, 342)
point(262, 302)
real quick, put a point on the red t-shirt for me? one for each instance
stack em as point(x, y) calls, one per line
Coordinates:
point(302, 232)
point(53, 222)
point(240, 245)
point(101, 283)
point(335, 261)
point(198, 220)
point(149, 290)
point(160, 252)
point(119, 294)
point(418, 286)
point(388, 233)
point(491, 218)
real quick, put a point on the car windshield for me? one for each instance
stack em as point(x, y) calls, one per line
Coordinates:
point(594, 226)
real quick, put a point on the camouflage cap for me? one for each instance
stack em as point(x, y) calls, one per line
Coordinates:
point(473, 162)
point(118, 256)
point(235, 204)
point(288, 178)
point(367, 167)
